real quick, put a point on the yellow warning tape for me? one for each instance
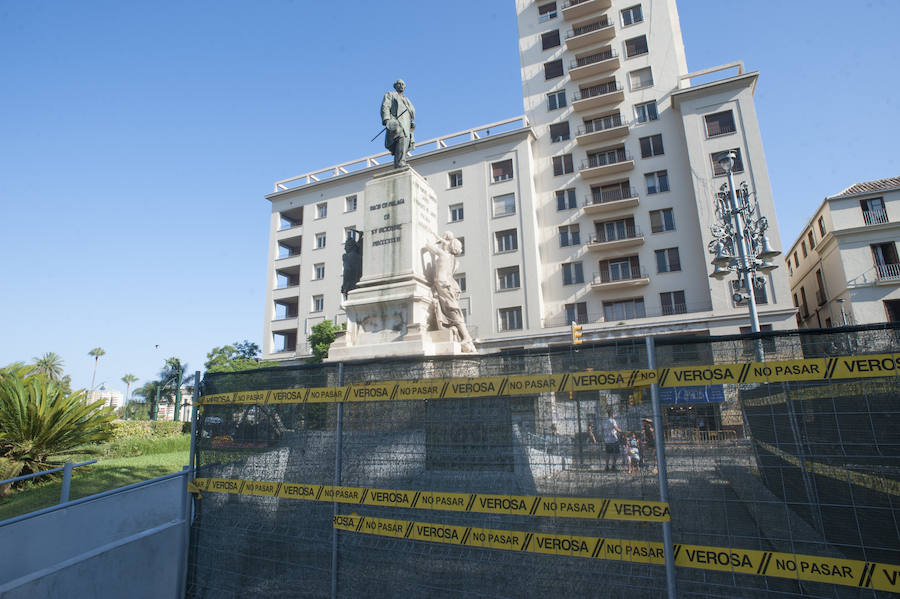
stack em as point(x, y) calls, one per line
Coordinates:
point(861, 479)
point(481, 503)
point(870, 575)
point(814, 369)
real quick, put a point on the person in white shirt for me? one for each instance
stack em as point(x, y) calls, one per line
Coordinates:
point(610, 431)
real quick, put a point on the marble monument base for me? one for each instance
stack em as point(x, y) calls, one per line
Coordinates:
point(391, 320)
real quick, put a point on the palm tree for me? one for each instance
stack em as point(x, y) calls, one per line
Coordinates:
point(96, 353)
point(128, 379)
point(50, 364)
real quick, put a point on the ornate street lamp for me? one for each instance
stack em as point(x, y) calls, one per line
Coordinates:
point(740, 244)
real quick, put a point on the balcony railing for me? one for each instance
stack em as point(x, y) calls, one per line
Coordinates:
point(671, 309)
point(631, 232)
point(606, 276)
point(611, 195)
point(593, 59)
point(600, 125)
point(888, 272)
point(581, 30)
point(595, 160)
point(875, 217)
point(597, 90)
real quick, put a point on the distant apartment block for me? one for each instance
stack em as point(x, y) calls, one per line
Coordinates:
point(844, 268)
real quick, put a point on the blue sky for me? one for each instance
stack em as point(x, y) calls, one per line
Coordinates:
point(137, 140)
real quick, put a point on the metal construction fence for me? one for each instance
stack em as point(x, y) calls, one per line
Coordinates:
point(503, 476)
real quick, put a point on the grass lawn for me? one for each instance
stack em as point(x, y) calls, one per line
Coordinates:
point(121, 463)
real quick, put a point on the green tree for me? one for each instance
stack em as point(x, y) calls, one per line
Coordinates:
point(240, 355)
point(39, 421)
point(96, 353)
point(320, 339)
point(128, 379)
point(149, 392)
point(50, 364)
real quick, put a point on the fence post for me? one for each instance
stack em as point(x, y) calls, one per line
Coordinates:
point(338, 455)
point(67, 483)
point(661, 469)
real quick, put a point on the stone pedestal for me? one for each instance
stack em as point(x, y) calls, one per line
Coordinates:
point(391, 311)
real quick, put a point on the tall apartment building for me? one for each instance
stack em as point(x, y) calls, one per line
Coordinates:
point(594, 207)
point(844, 267)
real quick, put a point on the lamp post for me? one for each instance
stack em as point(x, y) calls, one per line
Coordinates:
point(739, 241)
point(841, 301)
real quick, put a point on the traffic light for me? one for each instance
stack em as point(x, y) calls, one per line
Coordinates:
point(576, 334)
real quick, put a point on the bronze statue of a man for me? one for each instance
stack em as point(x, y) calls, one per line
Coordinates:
point(398, 116)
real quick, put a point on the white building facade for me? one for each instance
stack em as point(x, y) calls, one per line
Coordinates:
point(844, 266)
point(593, 208)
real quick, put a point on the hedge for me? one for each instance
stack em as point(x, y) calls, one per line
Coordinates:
point(149, 429)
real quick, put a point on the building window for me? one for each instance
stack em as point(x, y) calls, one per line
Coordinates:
point(645, 112)
point(349, 233)
point(565, 199)
point(546, 12)
point(632, 15)
point(672, 302)
point(615, 230)
point(796, 260)
point(501, 171)
point(320, 240)
point(641, 78)
point(822, 226)
point(624, 309)
point(456, 213)
point(620, 269)
point(636, 46)
point(759, 292)
point(811, 239)
point(576, 313)
point(553, 69)
point(318, 271)
point(573, 272)
point(606, 157)
point(662, 220)
point(550, 39)
point(508, 278)
point(803, 248)
point(667, 260)
point(511, 318)
point(322, 210)
point(720, 123)
point(887, 264)
point(556, 100)
point(569, 235)
point(562, 164)
point(738, 163)
point(455, 179)
point(873, 211)
point(461, 281)
point(318, 303)
point(559, 131)
point(504, 205)
point(350, 204)
point(506, 241)
point(651, 146)
point(602, 123)
point(657, 182)
point(462, 243)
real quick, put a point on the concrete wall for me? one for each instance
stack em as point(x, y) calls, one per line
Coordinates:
point(128, 543)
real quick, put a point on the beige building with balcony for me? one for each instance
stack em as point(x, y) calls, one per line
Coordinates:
point(844, 268)
point(594, 207)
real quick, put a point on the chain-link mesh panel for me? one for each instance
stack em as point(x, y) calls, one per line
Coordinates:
point(777, 467)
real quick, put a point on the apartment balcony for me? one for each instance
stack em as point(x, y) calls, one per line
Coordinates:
point(604, 132)
point(577, 9)
point(594, 65)
point(598, 96)
point(285, 324)
point(601, 202)
point(605, 281)
point(283, 293)
point(606, 244)
point(587, 35)
point(598, 169)
point(888, 273)
point(292, 232)
point(875, 217)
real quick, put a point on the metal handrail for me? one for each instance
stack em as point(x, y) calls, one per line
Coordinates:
point(438, 143)
point(604, 126)
point(585, 61)
point(45, 472)
point(605, 197)
point(631, 232)
point(589, 28)
point(596, 91)
point(603, 278)
point(888, 272)
point(875, 217)
point(592, 162)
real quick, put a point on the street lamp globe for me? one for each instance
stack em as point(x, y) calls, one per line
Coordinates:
point(726, 160)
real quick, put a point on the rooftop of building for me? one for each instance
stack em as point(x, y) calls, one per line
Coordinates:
point(888, 184)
